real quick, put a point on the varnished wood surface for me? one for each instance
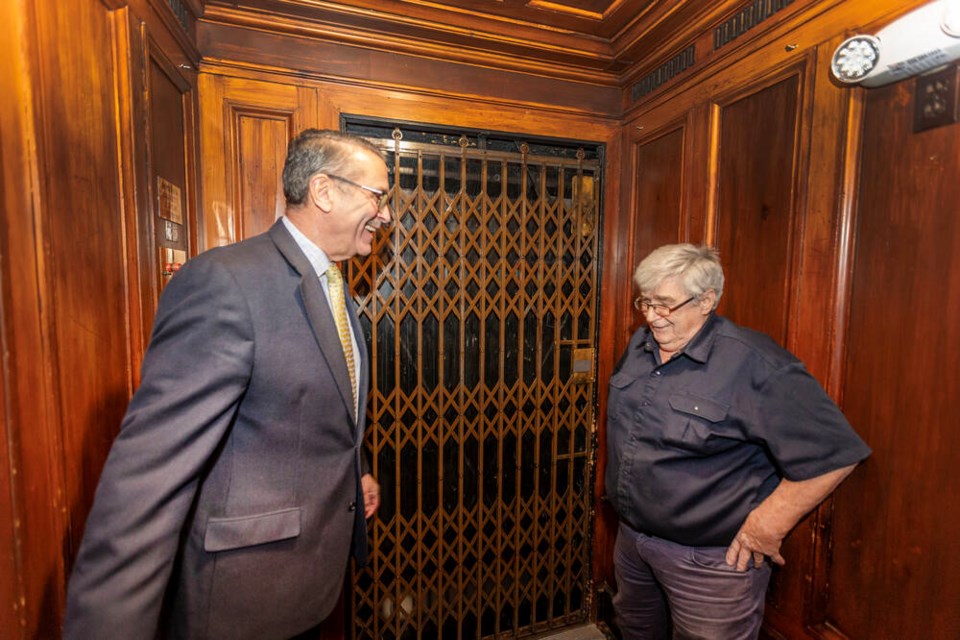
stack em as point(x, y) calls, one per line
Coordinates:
point(76, 245)
point(20, 331)
point(73, 193)
point(896, 520)
point(469, 74)
point(755, 210)
point(248, 123)
point(657, 195)
point(73, 301)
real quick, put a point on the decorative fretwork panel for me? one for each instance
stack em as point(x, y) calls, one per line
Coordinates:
point(473, 306)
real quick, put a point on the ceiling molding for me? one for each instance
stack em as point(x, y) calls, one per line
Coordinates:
point(603, 42)
point(414, 37)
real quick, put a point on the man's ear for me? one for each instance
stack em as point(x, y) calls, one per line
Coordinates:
point(319, 191)
point(707, 300)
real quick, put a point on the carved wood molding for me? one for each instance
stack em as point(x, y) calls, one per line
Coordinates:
point(612, 44)
point(412, 37)
point(464, 37)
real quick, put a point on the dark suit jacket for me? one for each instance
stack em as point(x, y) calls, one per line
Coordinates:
point(230, 497)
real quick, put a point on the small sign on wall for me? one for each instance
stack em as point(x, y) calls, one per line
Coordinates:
point(168, 201)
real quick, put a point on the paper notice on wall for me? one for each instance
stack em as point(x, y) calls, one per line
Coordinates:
point(168, 201)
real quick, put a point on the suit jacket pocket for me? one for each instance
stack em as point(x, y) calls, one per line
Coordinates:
point(246, 531)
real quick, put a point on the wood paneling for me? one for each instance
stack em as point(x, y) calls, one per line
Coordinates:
point(72, 162)
point(896, 568)
point(20, 330)
point(261, 149)
point(73, 253)
point(247, 125)
point(755, 214)
point(472, 75)
point(658, 193)
point(88, 108)
point(658, 171)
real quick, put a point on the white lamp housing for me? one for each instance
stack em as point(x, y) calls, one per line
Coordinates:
point(924, 39)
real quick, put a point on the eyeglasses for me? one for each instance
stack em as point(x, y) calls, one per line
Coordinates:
point(383, 198)
point(662, 310)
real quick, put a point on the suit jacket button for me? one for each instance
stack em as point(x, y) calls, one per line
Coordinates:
point(352, 507)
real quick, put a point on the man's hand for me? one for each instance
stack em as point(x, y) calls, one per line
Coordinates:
point(768, 524)
point(755, 540)
point(371, 495)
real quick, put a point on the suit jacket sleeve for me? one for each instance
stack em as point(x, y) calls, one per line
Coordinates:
point(194, 374)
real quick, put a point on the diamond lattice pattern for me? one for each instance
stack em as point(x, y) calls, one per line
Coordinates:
point(483, 446)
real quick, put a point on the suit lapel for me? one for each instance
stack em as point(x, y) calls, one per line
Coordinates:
point(318, 312)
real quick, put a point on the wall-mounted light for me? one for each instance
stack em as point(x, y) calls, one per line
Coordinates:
point(924, 39)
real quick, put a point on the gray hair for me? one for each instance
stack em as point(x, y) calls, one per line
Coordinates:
point(316, 151)
point(698, 268)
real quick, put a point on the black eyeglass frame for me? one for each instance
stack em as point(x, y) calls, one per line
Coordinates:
point(660, 309)
point(383, 197)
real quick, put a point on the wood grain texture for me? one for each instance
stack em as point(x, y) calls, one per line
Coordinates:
point(751, 124)
point(756, 208)
point(896, 569)
point(20, 330)
point(72, 124)
point(247, 125)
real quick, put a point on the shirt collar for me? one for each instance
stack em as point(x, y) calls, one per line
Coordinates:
point(698, 348)
point(318, 259)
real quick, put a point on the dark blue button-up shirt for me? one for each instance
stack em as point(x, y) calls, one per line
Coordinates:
point(697, 442)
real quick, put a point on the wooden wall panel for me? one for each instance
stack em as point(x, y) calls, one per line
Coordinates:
point(423, 74)
point(246, 126)
point(658, 170)
point(261, 150)
point(83, 255)
point(65, 328)
point(896, 568)
point(756, 173)
point(20, 331)
point(658, 195)
point(72, 159)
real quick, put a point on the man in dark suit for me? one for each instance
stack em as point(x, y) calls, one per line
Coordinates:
point(236, 487)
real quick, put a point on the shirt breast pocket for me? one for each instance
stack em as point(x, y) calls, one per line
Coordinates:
point(696, 423)
point(618, 400)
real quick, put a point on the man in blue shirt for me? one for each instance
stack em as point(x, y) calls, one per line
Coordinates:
point(719, 442)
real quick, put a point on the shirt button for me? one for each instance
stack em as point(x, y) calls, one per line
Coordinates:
point(646, 403)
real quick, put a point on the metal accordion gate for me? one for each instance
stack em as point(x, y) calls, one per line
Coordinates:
point(480, 311)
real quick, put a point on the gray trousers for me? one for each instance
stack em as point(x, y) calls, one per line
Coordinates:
point(668, 590)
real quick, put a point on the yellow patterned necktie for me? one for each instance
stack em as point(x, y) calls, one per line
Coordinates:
point(337, 301)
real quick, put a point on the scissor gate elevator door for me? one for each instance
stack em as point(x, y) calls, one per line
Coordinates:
point(480, 309)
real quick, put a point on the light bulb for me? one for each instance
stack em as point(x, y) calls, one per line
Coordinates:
point(855, 58)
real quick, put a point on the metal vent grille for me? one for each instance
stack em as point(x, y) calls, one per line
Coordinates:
point(665, 72)
point(744, 20)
